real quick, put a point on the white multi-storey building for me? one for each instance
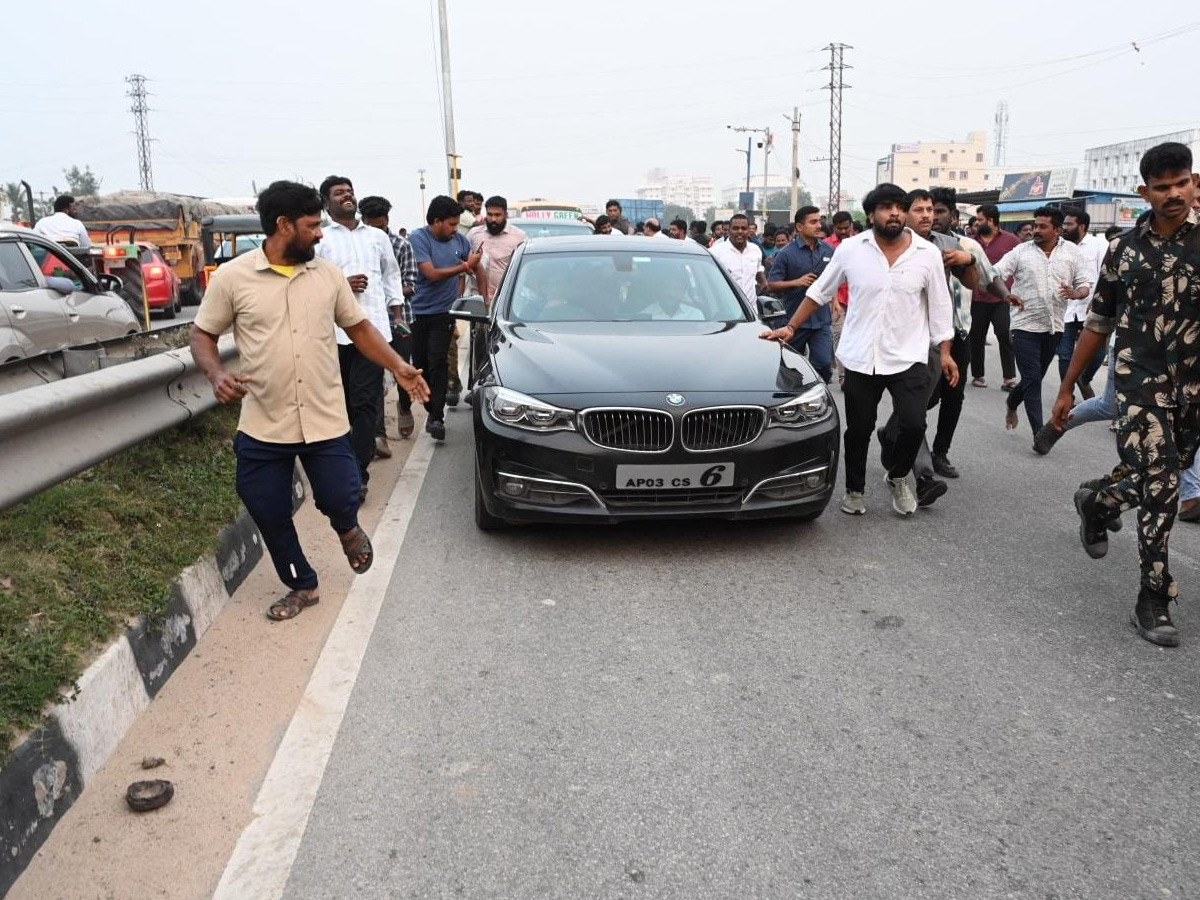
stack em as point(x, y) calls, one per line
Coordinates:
point(696, 192)
point(957, 164)
point(1114, 167)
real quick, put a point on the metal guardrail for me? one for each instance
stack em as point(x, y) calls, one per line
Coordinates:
point(53, 431)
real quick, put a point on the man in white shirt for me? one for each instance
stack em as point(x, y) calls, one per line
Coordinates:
point(901, 305)
point(1047, 272)
point(366, 257)
point(741, 257)
point(1092, 248)
point(64, 226)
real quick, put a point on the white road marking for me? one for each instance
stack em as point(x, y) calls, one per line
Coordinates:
point(263, 857)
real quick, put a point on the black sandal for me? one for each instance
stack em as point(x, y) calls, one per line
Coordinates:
point(291, 606)
point(355, 544)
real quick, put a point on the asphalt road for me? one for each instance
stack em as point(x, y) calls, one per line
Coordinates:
point(949, 706)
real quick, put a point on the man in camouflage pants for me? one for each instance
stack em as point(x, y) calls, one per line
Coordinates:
point(1149, 293)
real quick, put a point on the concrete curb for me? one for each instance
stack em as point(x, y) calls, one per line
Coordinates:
point(49, 769)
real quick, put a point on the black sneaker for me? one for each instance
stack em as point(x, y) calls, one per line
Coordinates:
point(929, 489)
point(885, 449)
point(1099, 484)
point(436, 430)
point(1046, 438)
point(943, 466)
point(1151, 618)
point(452, 398)
point(1092, 531)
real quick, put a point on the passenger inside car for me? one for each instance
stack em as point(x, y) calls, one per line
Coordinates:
point(669, 293)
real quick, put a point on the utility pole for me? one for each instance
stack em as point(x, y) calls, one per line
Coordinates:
point(448, 103)
point(766, 163)
point(137, 93)
point(423, 207)
point(1001, 133)
point(836, 85)
point(765, 144)
point(795, 159)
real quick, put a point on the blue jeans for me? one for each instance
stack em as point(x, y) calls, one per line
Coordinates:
point(1102, 407)
point(1190, 487)
point(819, 343)
point(264, 482)
point(1034, 351)
point(1066, 349)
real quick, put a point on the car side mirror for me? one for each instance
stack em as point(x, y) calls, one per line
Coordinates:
point(109, 282)
point(60, 285)
point(772, 312)
point(471, 309)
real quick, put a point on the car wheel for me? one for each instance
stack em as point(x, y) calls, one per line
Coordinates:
point(484, 520)
point(169, 311)
point(178, 304)
point(131, 286)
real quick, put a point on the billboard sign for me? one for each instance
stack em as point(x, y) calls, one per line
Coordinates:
point(1043, 184)
point(1128, 213)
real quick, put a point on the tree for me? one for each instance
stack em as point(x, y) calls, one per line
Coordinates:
point(672, 212)
point(82, 183)
point(14, 199)
point(783, 200)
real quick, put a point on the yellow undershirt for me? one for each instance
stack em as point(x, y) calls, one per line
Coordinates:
point(287, 271)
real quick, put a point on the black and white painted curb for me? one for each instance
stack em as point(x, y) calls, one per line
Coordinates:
point(46, 773)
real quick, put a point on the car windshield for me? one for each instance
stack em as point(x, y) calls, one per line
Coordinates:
point(236, 246)
point(550, 228)
point(622, 286)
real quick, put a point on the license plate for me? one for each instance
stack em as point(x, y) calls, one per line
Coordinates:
point(674, 478)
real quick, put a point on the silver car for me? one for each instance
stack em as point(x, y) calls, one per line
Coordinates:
point(49, 301)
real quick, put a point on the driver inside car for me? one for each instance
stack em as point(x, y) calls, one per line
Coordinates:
point(670, 293)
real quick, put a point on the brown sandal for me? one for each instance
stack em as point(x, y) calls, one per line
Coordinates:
point(291, 606)
point(355, 544)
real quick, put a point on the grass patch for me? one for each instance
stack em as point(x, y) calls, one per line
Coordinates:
point(77, 561)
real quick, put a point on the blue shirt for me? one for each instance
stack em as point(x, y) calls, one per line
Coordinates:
point(794, 261)
point(434, 297)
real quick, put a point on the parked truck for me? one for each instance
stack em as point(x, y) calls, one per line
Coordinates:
point(171, 222)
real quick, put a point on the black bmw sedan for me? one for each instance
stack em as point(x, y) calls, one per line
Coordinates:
point(622, 378)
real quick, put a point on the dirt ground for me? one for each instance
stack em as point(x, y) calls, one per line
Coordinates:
point(217, 723)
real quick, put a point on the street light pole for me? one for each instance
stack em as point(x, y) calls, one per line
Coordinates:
point(448, 100)
point(766, 132)
point(795, 158)
point(422, 173)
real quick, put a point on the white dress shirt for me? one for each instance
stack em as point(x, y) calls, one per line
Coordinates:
point(61, 227)
point(897, 311)
point(364, 250)
point(1036, 282)
point(743, 266)
point(1092, 249)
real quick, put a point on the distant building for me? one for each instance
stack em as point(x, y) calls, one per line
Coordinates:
point(958, 164)
point(730, 192)
point(696, 192)
point(1115, 167)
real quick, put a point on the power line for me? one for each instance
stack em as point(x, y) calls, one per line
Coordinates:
point(137, 93)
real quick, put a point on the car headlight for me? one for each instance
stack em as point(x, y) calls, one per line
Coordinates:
point(814, 405)
point(522, 411)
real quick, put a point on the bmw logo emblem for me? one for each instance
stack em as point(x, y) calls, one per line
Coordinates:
point(676, 399)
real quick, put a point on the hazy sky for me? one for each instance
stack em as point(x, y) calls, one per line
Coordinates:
point(572, 100)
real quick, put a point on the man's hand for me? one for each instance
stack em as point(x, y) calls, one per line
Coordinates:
point(949, 367)
point(1017, 302)
point(1069, 293)
point(807, 280)
point(358, 283)
point(474, 258)
point(410, 380)
point(1062, 407)
point(838, 311)
point(228, 387)
point(783, 335)
point(957, 259)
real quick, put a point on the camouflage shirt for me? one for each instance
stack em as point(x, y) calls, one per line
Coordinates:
point(1156, 318)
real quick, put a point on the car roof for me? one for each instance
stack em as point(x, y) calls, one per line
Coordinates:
point(571, 243)
point(14, 228)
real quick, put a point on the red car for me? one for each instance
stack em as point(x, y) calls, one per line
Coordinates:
point(162, 287)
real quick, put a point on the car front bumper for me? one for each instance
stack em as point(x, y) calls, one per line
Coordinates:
point(562, 476)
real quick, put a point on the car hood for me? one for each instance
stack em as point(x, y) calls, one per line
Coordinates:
point(628, 357)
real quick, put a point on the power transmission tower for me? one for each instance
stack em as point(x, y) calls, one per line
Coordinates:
point(137, 93)
point(1001, 133)
point(836, 85)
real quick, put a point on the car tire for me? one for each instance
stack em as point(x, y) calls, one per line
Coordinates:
point(131, 286)
point(171, 309)
point(189, 292)
point(484, 520)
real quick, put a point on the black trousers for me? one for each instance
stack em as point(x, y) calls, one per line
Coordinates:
point(910, 393)
point(430, 349)
point(950, 399)
point(998, 316)
point(362, 382)
point(402, 344)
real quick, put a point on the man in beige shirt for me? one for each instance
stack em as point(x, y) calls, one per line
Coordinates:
point(498, 240)
point(283, 303)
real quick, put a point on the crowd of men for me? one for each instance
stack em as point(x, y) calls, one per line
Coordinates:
point(901, 303)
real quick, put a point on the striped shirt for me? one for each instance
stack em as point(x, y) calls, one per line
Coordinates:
point(364, 250)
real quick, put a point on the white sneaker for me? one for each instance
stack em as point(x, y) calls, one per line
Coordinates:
point(903, 501)
point(855, 503)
